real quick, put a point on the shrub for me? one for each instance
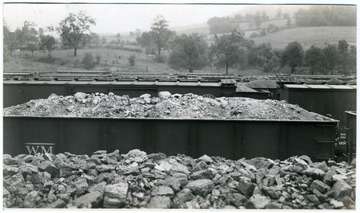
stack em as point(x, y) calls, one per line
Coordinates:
point(46, 60)
point(262, 32)
point(268, 67)
point(137, 50)
point(159, 58)
point(131, 60)
point(88, 61)
point(254, 35)
point(62, 61)
point(76, 63)
point(98, 57)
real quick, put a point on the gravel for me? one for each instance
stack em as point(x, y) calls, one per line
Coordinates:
point(188, 106)
point(166, 182)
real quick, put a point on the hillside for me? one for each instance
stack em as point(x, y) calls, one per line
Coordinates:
point(271, 10)
point(63, 60)
point(17, 64)
point(308, 36)
point(198, 28)
point(244, 26)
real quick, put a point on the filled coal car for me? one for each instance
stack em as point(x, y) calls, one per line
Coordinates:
point(328, 100)
point(323, 99)
point(234, 139)
point(17, 92)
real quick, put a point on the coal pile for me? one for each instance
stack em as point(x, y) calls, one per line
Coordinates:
point(140, 180)
point(166, 105)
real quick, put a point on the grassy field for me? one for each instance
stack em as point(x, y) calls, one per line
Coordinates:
point(113, 60)
point(308, 36)
point(19, 64)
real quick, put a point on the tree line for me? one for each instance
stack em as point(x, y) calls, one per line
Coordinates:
point(74, 31)
point(234, 50)
point(317, 15)
point(218, 25)
point(322, 15)
point(26, 38)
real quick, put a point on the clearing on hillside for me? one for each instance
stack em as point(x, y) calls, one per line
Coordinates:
point(308, 36)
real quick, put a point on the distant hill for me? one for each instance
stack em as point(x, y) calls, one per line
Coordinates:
point(308, 36)
point(271, 10)
point(198, 28)
point(245, 26)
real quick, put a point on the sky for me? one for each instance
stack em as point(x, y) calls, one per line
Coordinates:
point(115, 18)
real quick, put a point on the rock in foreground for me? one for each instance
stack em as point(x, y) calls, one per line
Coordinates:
point(139, 180)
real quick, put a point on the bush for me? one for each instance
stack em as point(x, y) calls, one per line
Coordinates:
point(46, 60)
point(159, 58)
point(254, 35)
point(268, 67)
point(98, 57)
point(137, 50)
point(76, 63)
point(262, 32)
point(272, 28)
point(62, 61)
point(131, 60)
point(88, 61)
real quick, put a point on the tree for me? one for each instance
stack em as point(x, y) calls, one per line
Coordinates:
point(278, 13)
point(230, 49)
point(118, 38)
point(137, 32)
point(88, 61)
point(41, 31)
point(131, 60)
point(352, 59)
point(293, 55)
point(86, 41)
point(189, 51)
point(260, 55)
point(32, 48)
point(10, 39)
point(257, 20)
point(343, 56)
point(144, 39)
point(160, 33)
point(264, 57)
point(73, 28)
point(288, 19)
point(94, 39)
point(264, 16)
point(158, 38)
point(313, 59)
point(330, 58)
point(146, 42)
point(103, 41)
point(26, 33)
point(47, 43)
point(27, 37)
